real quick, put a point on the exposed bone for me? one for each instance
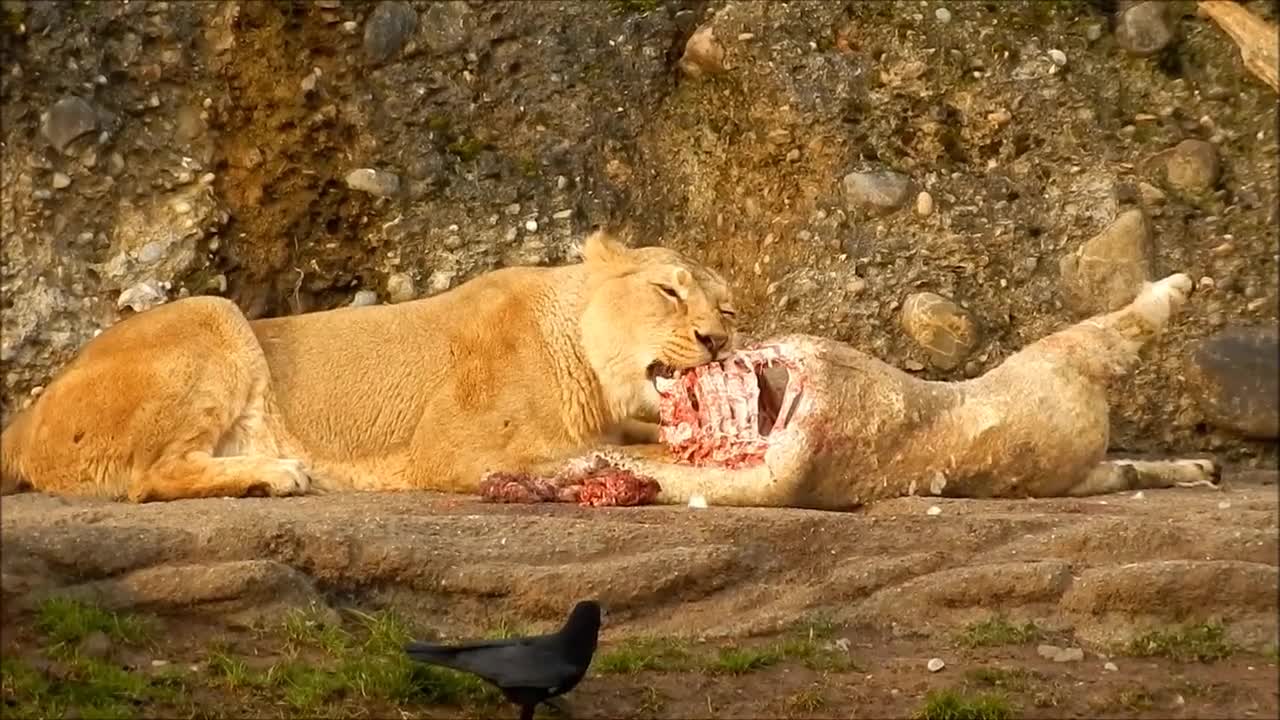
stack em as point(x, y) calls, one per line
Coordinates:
point(1256, 38)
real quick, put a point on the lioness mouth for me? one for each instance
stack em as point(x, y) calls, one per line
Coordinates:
point(658, 369)
point(724, 413)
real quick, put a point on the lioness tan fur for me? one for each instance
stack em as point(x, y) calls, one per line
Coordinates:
point(515, 369)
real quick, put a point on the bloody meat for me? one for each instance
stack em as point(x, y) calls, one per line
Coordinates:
point(722, 413)
point(590, 484)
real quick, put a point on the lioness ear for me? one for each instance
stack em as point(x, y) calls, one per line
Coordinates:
point(601, 247)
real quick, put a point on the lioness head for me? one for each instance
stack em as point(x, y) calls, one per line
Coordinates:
point(652, 311)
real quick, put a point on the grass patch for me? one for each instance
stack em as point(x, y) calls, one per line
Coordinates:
point(506, 628)
point(364, 663)
point(467, 148)
point(85, 687)
point(645, 653)
point(371, 665)
point(232, 673)
point(816, 654)
point(1135, 699)
point(957, 705)
point(809, 700)
point(529, 167)
point(306, 628)
point(66, 622)
point(999, 631)
point(739, 661)
point(1203, 643)
point(818, 626)
point(805, 644)
point(1016, 680)
point(652, 702)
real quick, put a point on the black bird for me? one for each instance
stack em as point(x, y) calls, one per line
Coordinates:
point(528, 670)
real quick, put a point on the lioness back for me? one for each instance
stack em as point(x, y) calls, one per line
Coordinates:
point(516, 368)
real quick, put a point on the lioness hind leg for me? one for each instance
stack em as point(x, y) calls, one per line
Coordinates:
point(1113, 476)
point(147, 408)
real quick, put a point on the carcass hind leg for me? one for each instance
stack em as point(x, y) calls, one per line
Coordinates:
point(1108, 345)
point(1113, 476)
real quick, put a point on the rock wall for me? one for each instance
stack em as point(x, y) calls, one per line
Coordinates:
point(937, 183)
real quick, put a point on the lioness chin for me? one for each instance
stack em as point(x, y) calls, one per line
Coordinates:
point(511, 371)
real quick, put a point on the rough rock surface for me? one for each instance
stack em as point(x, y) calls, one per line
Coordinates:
point(1192, 165)
point(1234, 376)
point(222, 133)
point(1144, 28)
point(1102, 569)
point(1106, 273)
point(944, 329)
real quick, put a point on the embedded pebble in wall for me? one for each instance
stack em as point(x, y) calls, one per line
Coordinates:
point(947, 331)
point(400, 288)
point(1192, 165)
point(1234, 378)
point(880, 192)
point(364, 298)
point(68, 119)
point(388, 28)
point(374, 182)
point(924, 204)
point(1143, 28)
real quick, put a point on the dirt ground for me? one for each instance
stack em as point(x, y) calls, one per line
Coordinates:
point(754, 612)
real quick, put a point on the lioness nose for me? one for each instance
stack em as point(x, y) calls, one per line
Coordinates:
point(714, 342)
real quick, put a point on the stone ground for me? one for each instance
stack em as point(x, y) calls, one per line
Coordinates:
point(1176, 589)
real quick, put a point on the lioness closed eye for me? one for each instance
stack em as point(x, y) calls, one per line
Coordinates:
point(514, 369)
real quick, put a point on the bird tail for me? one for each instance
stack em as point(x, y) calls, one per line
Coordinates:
point(429, 653)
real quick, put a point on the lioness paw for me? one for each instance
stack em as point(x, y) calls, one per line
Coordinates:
point(287, 477)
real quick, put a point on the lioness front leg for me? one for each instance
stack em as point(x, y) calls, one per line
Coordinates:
point(199, 475)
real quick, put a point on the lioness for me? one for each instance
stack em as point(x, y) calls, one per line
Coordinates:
point(514, 369)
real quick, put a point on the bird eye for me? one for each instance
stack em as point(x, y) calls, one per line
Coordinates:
point(669, 292)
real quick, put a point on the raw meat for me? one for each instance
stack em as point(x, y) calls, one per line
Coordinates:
point(711, 414)
point(590, 483)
